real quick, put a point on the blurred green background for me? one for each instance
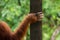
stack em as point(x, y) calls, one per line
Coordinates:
point(51, 21)
point(13, 12)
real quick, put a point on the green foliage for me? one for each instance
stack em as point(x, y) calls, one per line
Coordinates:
point(11, 12)
point(51, 9)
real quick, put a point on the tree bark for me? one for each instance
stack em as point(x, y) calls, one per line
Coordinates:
point(36, 28)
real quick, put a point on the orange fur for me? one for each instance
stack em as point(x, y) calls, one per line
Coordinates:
point(7, 34)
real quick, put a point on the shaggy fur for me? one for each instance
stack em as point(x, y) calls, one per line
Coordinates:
point(18, 34)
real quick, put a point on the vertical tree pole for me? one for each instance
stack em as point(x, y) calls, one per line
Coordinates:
point(36, 28)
